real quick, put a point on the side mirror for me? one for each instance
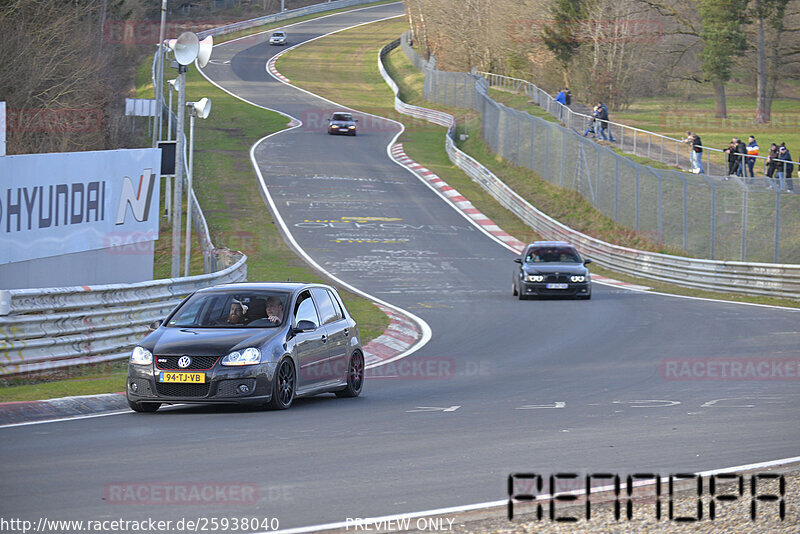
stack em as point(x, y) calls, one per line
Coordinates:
point(518, 260)
point(155, 324)
point(587, 261)
point(304, 326)
point(355, 120)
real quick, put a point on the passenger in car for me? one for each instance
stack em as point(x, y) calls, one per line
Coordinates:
point(236, 315)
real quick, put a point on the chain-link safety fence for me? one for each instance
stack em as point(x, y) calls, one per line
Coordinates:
point(714, 217)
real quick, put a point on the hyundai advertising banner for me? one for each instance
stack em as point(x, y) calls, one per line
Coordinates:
point(54, 204)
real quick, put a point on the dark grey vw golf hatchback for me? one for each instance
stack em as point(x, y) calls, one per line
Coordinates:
point(251, 343)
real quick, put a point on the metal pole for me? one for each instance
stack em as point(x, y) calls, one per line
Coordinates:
point(637, 197)
point(187, 259)
point(744, 225)
point(713, 218)
point(160, 77)
point(685, 214)
point(777, 223)
point(169, 117)
point(179, 148)
point(616, 187)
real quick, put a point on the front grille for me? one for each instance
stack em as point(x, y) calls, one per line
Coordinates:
point(557, 279)
point(182, 390)
point(199, 363)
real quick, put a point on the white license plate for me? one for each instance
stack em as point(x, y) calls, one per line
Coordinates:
point(557, 286)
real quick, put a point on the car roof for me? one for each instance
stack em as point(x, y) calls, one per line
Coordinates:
point(290, 287)
point(549, 244)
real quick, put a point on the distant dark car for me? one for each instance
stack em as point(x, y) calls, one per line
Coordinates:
point(342, 123)
point(254, 343)
point(277, 38)
point(551, 268)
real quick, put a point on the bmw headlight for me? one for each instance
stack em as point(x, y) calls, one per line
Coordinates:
point(535, 278)
point(352, 127)
point(577, 278)
point(250, 356)
point(141, 356)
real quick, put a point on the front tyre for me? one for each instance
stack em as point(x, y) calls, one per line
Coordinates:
point(144, 407)
point(283, 386)
point(355, 377)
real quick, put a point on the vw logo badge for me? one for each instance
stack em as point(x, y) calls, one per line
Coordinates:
point(184, 362)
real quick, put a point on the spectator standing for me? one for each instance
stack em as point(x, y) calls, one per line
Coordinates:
point(561, 98)
point(770, 166)
point(732, 158)
point(741, 153)
point(784, 170)
point(696, 154)
point(592, 129)
point(603, 122)
point(752, 150)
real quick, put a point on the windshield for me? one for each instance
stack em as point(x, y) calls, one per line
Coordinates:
point(342, 117)
point(278, 34)
point(552, 255)
point(234, 309)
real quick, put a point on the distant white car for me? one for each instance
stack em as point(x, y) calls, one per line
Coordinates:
point(278, 38)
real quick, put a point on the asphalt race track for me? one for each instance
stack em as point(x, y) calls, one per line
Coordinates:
point(503, 386)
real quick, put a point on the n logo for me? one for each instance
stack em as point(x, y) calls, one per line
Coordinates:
point(136, 198)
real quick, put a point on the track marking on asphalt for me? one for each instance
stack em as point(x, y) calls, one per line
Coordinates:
point(557, 404)
point(714, 403)
point(433, 409)
point(648, 403)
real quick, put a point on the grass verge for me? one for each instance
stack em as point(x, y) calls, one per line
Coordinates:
point(348, 60)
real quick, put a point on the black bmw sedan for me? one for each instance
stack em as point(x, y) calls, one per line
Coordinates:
point(342, 123)
point(551, 268)
point(251, 343)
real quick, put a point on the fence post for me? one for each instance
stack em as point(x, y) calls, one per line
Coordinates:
point(533, 139)
point(616, 188)
point(634, 142)
point(563, 156)
point(546, 150)
point(637, 194)
point(777, 223)
point(713, 218)
point(519, 135)
point(744, 225)
point(597, 177)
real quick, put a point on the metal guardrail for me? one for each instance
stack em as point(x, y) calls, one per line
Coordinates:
point(768, 279)
point(52, 328)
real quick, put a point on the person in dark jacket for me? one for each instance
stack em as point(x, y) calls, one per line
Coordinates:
point(741, 153)
point(603, 122)
point(770, 166)
point(732, 158)
point(784, 170)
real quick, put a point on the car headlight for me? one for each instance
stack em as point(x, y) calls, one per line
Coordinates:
point(334, 125)
point(352, 127)
point(249, 356)
point(578, 278)
point(141, 356)
point(535, 278)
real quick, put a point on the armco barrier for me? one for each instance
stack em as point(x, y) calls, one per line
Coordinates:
point(51, 328)
point(775, 280)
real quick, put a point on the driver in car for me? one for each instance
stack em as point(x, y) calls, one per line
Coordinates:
point(274, 309)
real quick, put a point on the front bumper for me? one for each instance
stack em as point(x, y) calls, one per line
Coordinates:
point(574, 289)
point(342, 131)
point(221, 386)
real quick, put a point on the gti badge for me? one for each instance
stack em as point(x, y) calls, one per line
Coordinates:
point(184, 362)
